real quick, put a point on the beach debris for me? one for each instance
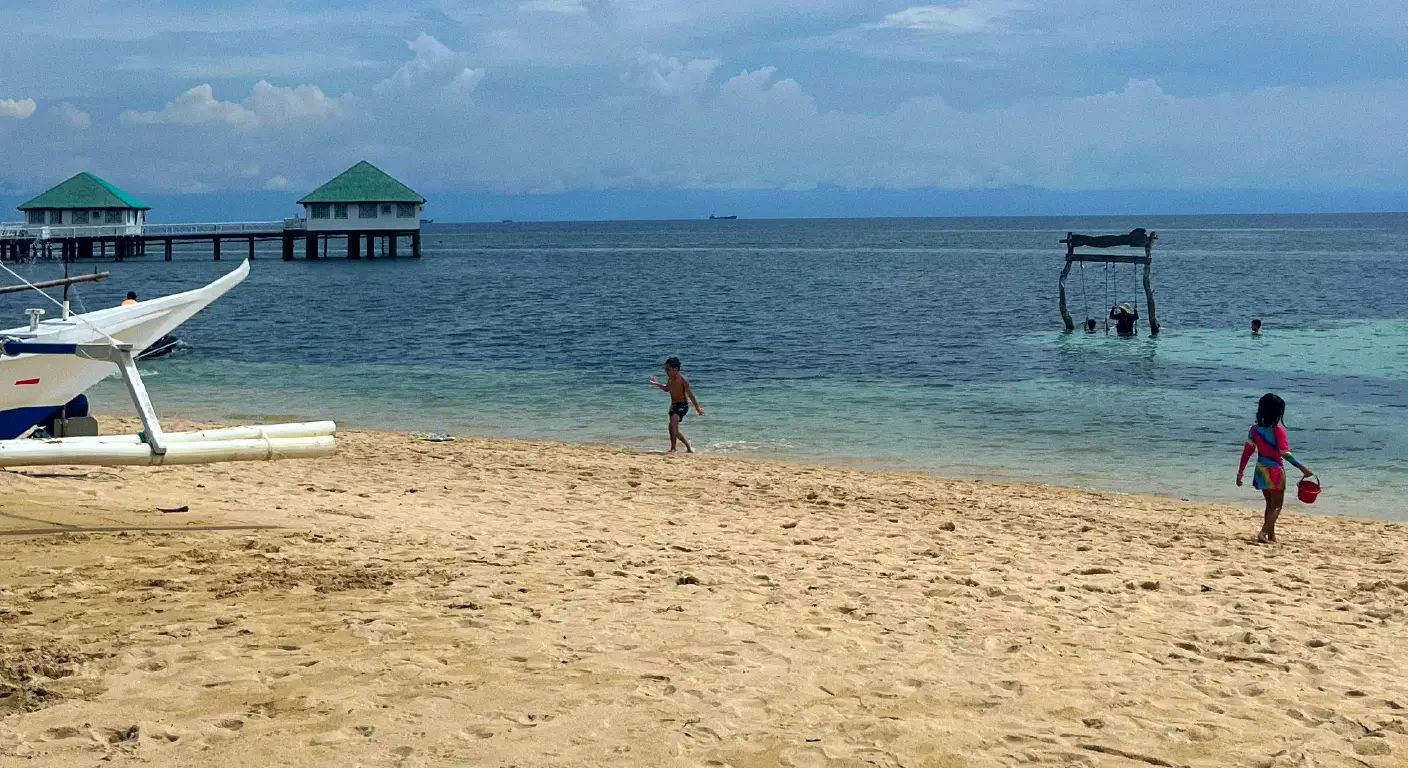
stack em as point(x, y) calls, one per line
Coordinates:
point(433, 437)
point(169, 510)
point(686, 580)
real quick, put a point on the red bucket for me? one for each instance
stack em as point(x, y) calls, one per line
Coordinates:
point(1307, 489)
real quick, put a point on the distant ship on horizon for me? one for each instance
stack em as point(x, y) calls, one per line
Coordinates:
point(712, 217)
point(423, 222)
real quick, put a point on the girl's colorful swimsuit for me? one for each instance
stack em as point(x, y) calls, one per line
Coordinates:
point(1271, 448)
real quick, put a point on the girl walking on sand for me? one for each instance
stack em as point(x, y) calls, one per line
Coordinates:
point(1267, 439)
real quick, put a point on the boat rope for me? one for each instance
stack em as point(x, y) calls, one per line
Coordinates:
point(59, 304)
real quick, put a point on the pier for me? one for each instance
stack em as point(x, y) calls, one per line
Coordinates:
point(21, 241)
point(361, 213)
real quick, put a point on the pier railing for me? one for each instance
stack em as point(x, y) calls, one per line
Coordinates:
point(23, 231)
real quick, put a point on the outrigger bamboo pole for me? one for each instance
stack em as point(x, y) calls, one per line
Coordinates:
point(54, 283)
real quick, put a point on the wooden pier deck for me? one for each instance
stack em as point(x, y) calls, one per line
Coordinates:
point(22, 241)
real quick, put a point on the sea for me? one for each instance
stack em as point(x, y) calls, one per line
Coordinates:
point(932, 345)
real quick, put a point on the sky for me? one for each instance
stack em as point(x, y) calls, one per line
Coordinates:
point(621, 108)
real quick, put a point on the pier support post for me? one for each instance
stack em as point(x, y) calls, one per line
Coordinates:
point(216, 242)
point(166, 249)
point(371, 245)
point(310, 247)
point(288, 246)
point(251, 248)
point(415, 244)
point(354, 245)
point(391, 244)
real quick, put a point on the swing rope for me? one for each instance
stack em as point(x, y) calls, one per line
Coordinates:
point(1106, 313)
point(1083, 298)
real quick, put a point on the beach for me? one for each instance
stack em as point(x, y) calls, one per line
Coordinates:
point(517, 603)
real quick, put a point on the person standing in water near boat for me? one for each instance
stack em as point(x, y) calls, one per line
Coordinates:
point(681, 395)
point(1267, 439)
point(1256, 326)
point(130, 300)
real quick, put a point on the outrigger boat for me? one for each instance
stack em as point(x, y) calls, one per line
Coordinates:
point(51, 362)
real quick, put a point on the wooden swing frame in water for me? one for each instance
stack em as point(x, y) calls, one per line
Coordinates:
point(1135, 239)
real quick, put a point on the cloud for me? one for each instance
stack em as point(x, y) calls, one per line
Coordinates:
point(670, 75)
point(759, 88)
point(433, 68)
point(266, 105)
point(966, 18)
point(277, 183)
point(571, 7)
point(465, 82)
point(16, 108)
point(72, 116)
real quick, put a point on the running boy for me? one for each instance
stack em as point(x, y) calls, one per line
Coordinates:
point(680, 397)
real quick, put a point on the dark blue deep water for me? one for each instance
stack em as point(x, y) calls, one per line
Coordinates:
point(930, 344)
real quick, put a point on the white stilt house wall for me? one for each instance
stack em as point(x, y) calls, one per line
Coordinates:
point(364, 205)
point(79, 213)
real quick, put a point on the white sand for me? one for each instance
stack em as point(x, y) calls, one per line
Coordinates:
point(500, 603)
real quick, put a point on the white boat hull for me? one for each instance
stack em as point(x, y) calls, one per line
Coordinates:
point(32, 387)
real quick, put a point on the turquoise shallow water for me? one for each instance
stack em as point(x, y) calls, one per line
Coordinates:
point(928, 344)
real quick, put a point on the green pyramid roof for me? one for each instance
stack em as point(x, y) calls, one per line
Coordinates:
point(85, 190)
point(363, 183)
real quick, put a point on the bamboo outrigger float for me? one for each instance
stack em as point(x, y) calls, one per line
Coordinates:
point(1137, 238)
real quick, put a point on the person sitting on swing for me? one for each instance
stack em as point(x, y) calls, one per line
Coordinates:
point(1124, 317)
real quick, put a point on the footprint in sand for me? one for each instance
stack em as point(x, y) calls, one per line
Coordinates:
point(63, 732)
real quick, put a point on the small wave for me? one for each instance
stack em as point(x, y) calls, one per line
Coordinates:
point(748, 446)
point(145, 372)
